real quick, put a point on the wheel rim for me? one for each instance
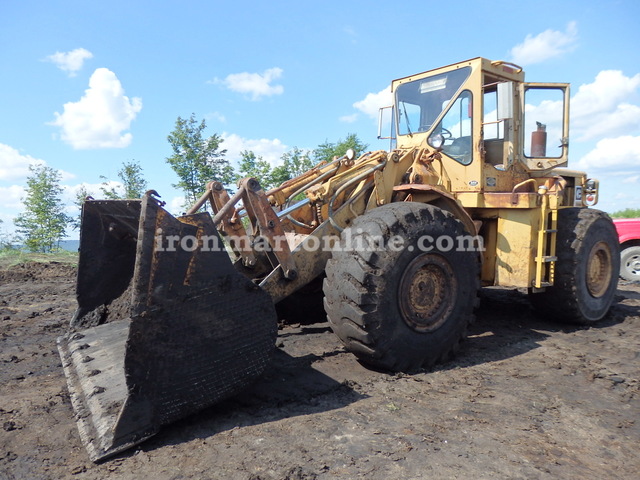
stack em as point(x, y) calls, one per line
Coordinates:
point(633, 265)
point(427, 292)
point(599, 269)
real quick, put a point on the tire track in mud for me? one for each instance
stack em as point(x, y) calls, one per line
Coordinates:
point(525, 398)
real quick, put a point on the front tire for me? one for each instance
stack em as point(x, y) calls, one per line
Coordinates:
point(586, 273)
point(401, 309)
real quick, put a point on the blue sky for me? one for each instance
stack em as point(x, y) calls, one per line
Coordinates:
point(86, 86)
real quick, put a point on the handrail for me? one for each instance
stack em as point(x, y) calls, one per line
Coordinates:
point(497, 63)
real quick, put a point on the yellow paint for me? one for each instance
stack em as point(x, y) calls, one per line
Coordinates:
point(516, 247)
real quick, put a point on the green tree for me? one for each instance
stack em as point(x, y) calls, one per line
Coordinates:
point(297, 161)
point(109, 191)
point(5, 241)
point(81, 195)
point(327, 150)
point(256, 167)
point(196, 159)
point(43, 223)
point(280, 174)
point(133, 182)
point(294, 163)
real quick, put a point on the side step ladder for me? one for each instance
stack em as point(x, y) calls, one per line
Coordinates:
point(546, 252)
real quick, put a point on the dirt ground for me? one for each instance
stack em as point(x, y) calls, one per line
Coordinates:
point(525, 398)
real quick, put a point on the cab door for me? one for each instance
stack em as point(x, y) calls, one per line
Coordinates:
point(544, 132)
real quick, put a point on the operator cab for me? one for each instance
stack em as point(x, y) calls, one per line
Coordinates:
point(422, 103)
point(508, 122)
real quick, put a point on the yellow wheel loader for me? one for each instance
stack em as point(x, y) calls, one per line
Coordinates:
point(177, 313)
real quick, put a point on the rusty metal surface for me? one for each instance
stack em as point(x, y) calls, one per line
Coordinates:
point(311, 255)
point(429, 291)
point(599, 269)
point(105, 267)
point(262, 215)
point(444, 200)
point(199, 332)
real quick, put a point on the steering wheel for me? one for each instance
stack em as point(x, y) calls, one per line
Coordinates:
point(446, 134)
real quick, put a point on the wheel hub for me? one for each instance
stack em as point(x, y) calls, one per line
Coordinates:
point(599, 271)
point(427, 292)
point(633, 265)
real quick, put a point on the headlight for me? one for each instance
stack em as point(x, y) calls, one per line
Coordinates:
point(591, 192)
point(350, 154)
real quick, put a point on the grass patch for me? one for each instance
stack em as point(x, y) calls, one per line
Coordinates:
point(14, 256)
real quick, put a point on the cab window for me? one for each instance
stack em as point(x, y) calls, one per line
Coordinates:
point(455, 130)
point(421, 102)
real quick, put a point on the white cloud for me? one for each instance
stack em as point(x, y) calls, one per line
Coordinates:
point(70, 192)
point(100, 117)
point(349, 118)
point(269, 149)
point(351, 33)
point(603, 107)
point(622, 173)
point(257, 85)
point(14, 165)
point(70, 195)
point(632, 179)
point(623, 119)
point(217, 116)
point(620, 152)
point(349, 30)
point(373, 102)
point(545, 45)
point(70, 62)
point(176, 206)
point(12, 196)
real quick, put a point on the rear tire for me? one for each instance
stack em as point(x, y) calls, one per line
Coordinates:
point(401, 309)
point(586, 274)
point(630, 264)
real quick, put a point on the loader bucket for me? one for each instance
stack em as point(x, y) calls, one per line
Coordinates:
point(171, 330)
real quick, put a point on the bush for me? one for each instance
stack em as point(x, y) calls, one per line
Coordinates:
point(627, 213)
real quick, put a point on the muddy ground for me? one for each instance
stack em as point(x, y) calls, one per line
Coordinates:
point(526, 398)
